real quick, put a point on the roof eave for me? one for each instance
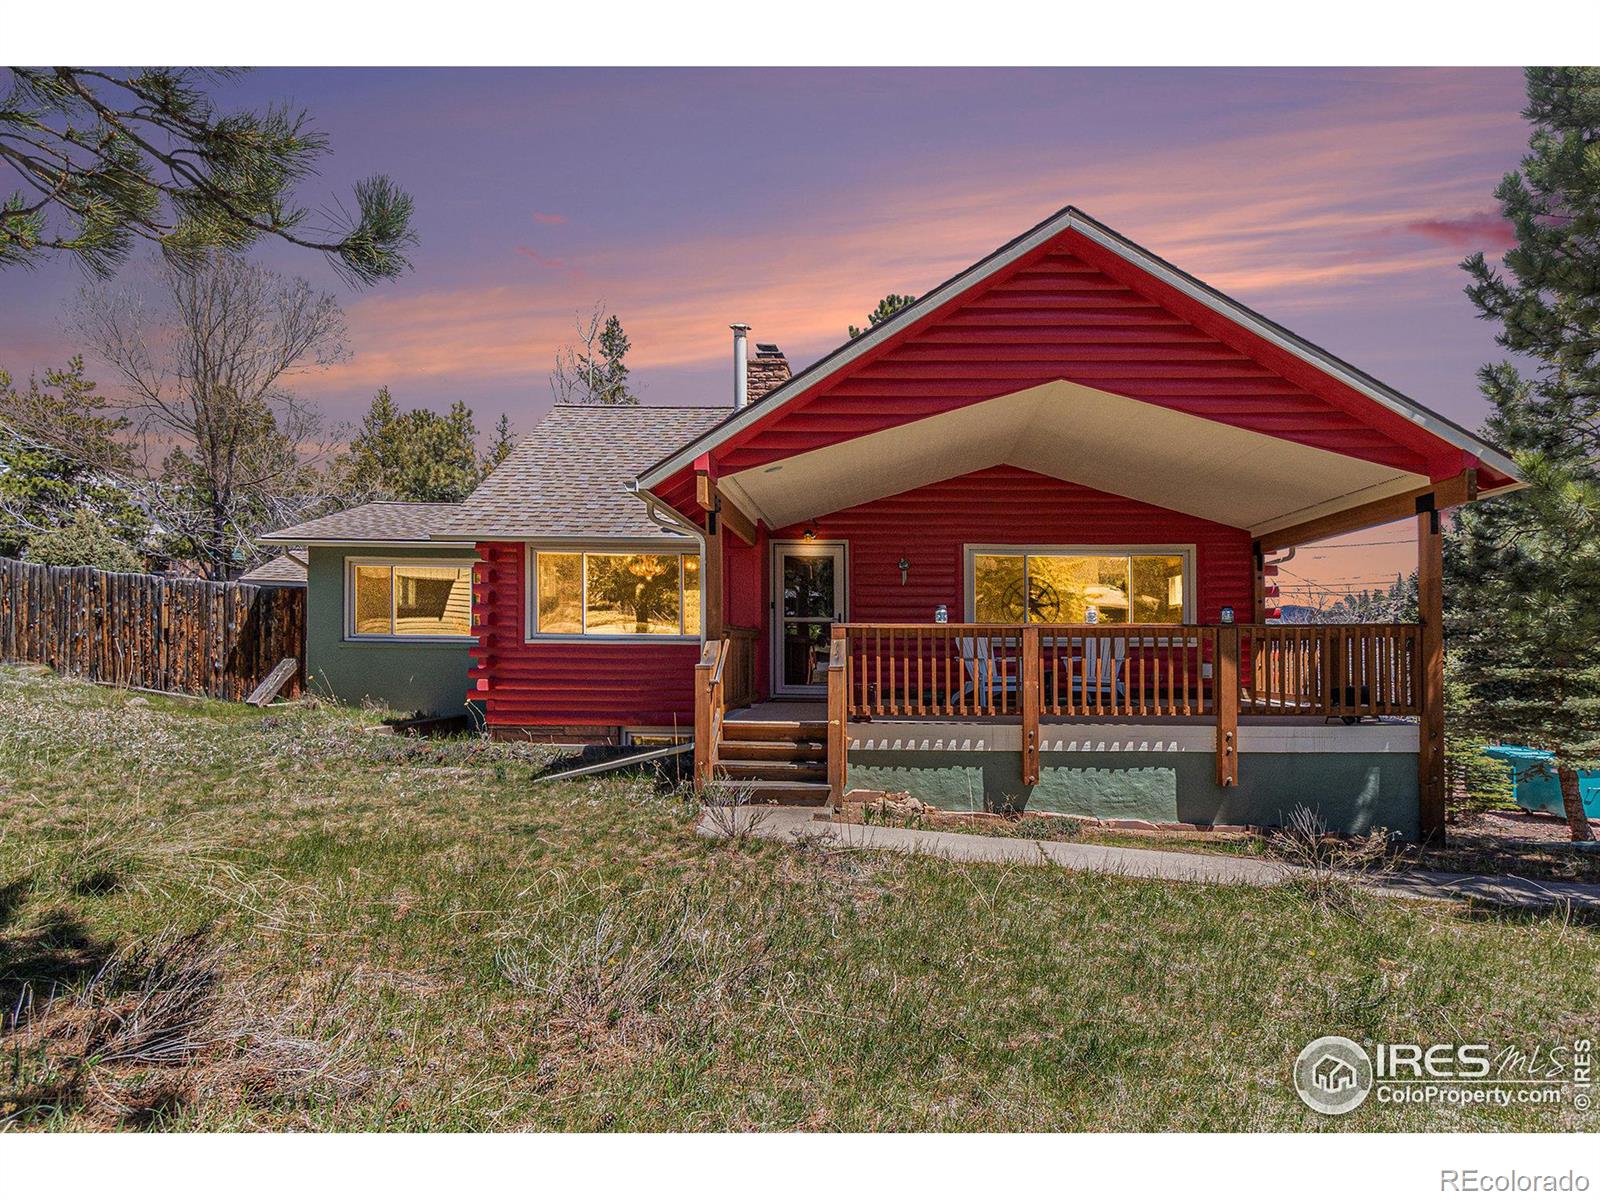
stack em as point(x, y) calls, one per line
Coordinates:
point(273, 539)
point(568, 539)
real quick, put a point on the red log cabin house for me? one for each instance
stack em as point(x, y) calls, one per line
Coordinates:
point(1010, 548)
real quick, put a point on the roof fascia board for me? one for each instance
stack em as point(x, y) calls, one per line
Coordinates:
point(574, 539)
point(277, 540)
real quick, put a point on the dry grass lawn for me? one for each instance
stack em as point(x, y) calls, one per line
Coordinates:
point(217, 918)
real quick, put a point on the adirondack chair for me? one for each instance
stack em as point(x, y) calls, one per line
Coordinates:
point(977, 656)
point(1110, 656)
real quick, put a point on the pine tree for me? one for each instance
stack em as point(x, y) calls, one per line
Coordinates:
point(107, 159)
point(499, 448)
point(593, 370)
point(63, 456)
point(887, 307)
point(417, 455)
point(608, 373)
point(1523, 570)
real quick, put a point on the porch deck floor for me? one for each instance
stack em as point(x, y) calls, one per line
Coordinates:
point(781, 710)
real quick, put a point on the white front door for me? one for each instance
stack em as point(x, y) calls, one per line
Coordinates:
point(808, 595)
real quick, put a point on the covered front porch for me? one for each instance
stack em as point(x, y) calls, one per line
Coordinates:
point(1040, 509)
point(1194, 725)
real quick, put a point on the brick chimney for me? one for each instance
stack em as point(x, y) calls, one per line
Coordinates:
point(768, 370)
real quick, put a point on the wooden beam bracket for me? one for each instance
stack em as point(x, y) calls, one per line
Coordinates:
point(1441, 494)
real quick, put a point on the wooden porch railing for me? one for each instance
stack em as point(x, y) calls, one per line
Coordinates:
point(724, 678)
point(1026, 672)
point(1333, 670)
point(710, 707)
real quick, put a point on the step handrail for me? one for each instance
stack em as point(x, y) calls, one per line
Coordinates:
point(709, 708)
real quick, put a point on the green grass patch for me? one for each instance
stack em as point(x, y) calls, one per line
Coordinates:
point(217, 918)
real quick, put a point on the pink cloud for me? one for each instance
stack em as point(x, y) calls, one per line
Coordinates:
point(545, 218)
point(1476, 231)
point(544, 260)
point(1288, 220)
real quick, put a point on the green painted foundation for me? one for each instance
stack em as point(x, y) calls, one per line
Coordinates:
point(410, 678)
point(1353, 793)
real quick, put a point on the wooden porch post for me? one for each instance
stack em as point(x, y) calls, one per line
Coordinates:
point(711, 585)
point(838, 716)
point(1227, 700)
point(1259, 601)
point(1031, 695)
point(705, 753)
point(1430, 735)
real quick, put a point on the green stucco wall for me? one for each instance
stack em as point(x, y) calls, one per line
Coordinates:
point(1353, 793)
point(427, 678)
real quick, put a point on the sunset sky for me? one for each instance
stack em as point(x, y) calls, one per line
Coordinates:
point(1337, 202)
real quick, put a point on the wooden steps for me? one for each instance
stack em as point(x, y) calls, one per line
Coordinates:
point(737, 730)
point(733, 768)
point(798, 792)
point(776, 750)
point(774, 762)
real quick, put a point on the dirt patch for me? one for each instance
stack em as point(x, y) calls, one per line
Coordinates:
point(161, 1025)
point(1510, 842)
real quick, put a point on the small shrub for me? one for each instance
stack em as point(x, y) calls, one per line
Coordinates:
point(641, 971)
point(1324, 863)
point(730, 812)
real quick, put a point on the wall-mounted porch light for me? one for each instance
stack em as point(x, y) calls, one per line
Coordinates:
point(810, 535)
point(904, 565)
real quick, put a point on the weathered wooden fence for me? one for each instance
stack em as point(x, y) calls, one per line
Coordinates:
point(150, 631)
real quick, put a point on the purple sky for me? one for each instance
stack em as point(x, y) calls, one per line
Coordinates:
point(1335, 201)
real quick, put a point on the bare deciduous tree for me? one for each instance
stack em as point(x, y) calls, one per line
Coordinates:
point(573, 380)
point(227, 448)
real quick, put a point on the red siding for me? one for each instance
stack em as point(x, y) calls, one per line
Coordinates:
point(1072, 310)
point(1008, 505)
point(598, 683)
point(568, 683)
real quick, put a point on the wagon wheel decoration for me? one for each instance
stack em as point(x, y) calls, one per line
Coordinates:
point(1043, 599)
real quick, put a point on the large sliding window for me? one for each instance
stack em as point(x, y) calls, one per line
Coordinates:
point(426, 598)
point(1070, 585)
point(615, 593)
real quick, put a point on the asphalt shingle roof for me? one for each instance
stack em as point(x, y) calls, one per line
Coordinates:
point(567, 477)
point(286, 570)
point(381, 521)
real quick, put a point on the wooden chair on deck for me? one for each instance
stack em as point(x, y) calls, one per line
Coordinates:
point(977, 659)
point(1098, 675)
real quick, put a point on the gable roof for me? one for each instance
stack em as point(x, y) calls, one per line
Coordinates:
point(380, 523)
point(837, 364)
point(286, 570)
point(567, 479)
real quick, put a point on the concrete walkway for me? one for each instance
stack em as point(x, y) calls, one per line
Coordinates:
point(784, 824)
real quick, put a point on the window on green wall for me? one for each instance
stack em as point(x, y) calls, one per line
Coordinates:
point(1064, 585)
point(426, 599)
point(603, 593)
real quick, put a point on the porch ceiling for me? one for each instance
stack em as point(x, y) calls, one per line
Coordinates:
point(1222, 473)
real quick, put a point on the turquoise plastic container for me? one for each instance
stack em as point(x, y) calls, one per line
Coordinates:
point(1533, 775)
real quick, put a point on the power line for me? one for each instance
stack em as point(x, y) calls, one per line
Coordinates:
point(1348, 545)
